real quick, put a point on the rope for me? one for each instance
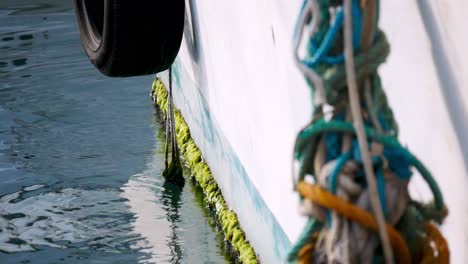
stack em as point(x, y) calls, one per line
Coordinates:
point(440, 253)
point(173, 171)
point(352, 153)
point(321, 126)
point(326, 199)
point(305, 252)
point(361, 136)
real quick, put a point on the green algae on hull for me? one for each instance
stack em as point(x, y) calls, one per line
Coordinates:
point(201, 172)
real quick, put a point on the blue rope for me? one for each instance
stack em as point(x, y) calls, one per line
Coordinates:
point(333, 178)
point(324, 59)
point(321, 126)
point(341, 161)
point(381, 189)
point(319, 52)
point(327, 42)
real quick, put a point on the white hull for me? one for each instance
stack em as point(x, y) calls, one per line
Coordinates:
point(244, 101)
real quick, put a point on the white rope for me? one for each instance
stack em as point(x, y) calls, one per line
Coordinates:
point(311, 10)
point(362, 139)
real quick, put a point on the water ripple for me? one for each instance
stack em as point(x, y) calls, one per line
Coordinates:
point(80, 165)
point(63, 218)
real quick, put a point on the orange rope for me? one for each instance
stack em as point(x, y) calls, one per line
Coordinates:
point(328, 200)
point(442, 255)
point(305, 254)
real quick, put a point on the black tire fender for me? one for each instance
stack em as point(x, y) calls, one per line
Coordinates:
point(128, 38)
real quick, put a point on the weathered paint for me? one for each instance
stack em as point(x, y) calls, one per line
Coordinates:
point(244, 101)
point(202, 174)
point(261, 228)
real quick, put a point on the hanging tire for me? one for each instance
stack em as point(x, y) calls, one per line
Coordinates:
point(128, 38)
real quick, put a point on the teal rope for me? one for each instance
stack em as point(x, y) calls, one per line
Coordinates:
point(325, 59)
point(339, 126)
point(320, 51)
point(333, 178)
point(340, 162)
point(381, 189)
point(311, 226)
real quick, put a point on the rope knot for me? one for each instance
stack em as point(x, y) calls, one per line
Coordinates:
point(359, 207)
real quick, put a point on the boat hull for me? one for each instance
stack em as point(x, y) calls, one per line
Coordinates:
point(244, 101)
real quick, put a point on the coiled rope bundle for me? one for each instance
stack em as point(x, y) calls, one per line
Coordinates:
point(353, 174)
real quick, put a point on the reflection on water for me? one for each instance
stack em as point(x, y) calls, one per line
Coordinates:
point(55, 219)
point(80, 164)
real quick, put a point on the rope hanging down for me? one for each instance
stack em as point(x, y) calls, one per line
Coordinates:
point(173, 171)
point(358, 207)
